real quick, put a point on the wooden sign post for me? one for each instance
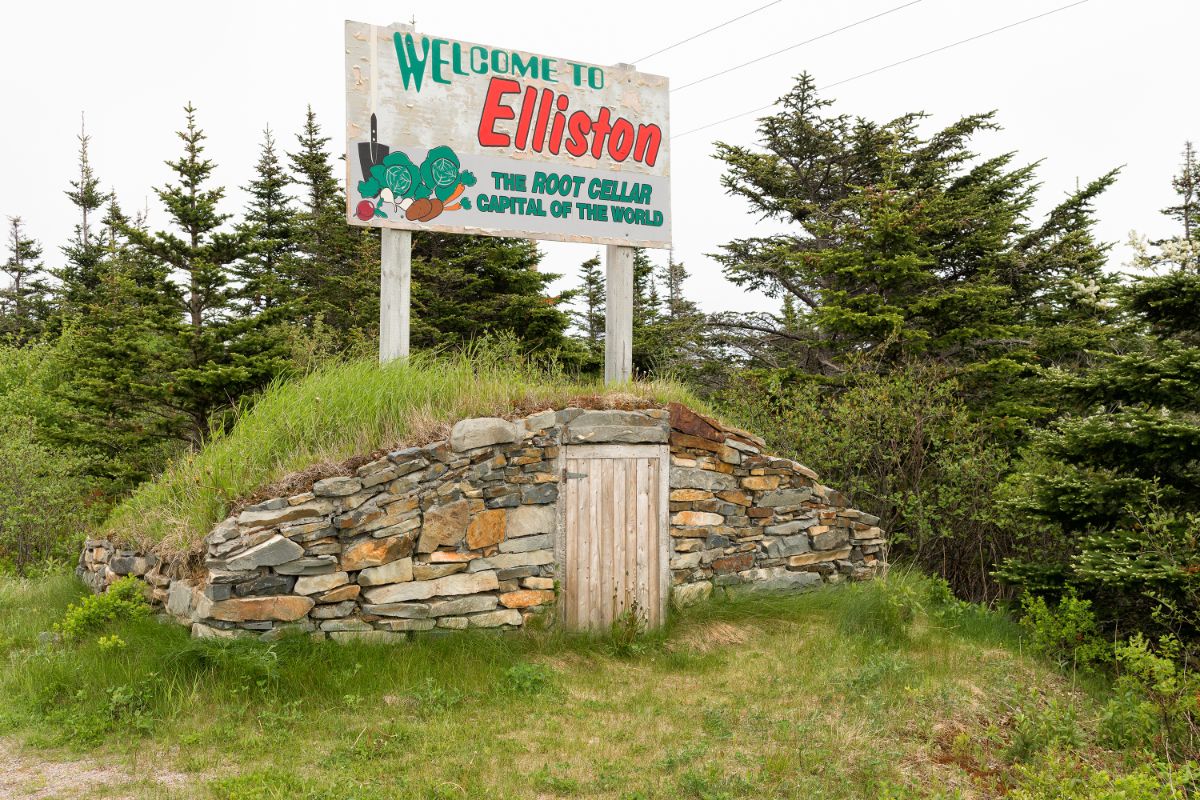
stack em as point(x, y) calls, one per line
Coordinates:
point(457, 137)
point(395, 297)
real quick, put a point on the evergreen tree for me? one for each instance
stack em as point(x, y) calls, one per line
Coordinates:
point(468, 286)
point(227, 356)
point(901, 246)
point(590, 318)
point(1113, 488)
point(270, 223)
point(79, 277)
point(118, 355)
point(336, 266)
point(25, 301)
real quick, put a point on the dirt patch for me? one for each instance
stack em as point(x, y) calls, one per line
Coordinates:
point(708, 637)
point(27, 776)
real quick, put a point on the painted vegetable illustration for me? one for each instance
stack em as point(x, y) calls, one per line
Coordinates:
point(397, 182)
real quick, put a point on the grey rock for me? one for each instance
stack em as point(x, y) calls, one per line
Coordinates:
point(348, 624)
point(530, 520)
point(507, 501)
point(785, 497)
point(779, 579)
point(333, 610)
point(397, 571)
point(543, 541)
point(132, 565)
point(217, 592)
point(463, 583)
point(223, 532)
point(831, 539)
point(627, 427)
point(405, 610)
point(454, 623)
point(179, 598)
point(688, 594)
point(369, 636)
point(267, 518)
point(274, 504)
point(265, 585)
point(788, 546)
point(202, 631)
point(429, 572)
point(685, 561)
point(533, 558)
point(539, 493)
point(515, 573)
point(339, 486)
point(463, 605)
point(401, 625)
point(469, 434)
point(494, 619)
point(315, 584)
point(789, 528)
point(309, 565)
point(274, 551)
point(692, 478)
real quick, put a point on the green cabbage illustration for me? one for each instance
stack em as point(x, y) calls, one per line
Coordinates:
point(440, 171)
point(397, 173)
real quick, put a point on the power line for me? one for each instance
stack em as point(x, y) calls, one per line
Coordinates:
point(710, 30)
point(889, 66)
point(799, 44)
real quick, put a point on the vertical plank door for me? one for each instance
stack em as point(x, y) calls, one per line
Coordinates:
point(614, 534)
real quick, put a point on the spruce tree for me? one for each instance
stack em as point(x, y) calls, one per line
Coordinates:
point(336, 266)
point(590, 318)
point(227, 356)
point(79, 276)
point(270, 222)
point(1111, 490)
point(900, 246)
point(25, 300)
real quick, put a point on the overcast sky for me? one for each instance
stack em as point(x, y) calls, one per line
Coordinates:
point(1104, 84)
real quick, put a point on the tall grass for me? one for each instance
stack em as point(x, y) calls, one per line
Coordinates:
point(341, 410)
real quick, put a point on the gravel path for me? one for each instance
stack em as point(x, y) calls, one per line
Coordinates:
point(25, 776)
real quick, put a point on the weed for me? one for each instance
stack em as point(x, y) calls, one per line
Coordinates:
point(125, 599)
point(526, 678)
point(1038, 728)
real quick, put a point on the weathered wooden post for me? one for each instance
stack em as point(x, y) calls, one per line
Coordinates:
point(395, 277)
point(618, 314)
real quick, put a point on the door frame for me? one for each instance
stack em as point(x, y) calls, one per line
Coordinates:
point(662, 453)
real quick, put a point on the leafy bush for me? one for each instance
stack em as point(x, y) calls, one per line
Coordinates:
point(1065, 777)
point(1067, 634)
point(905, 447)
point(1160, 675)
point(1041, 727)
point(125, 599)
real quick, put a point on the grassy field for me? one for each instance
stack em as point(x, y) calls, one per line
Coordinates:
point(858, 691)
point(346, 409)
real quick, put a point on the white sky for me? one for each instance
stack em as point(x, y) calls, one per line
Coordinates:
point(1104, 84)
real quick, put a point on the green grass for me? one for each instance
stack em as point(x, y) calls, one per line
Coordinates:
point(831, 694)
point(338, 411)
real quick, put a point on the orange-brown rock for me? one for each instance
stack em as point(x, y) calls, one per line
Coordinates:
point(735, 497)
point(450, 557)
point(341, 594)
point(374, 552)
point(486, 529)
point(689, 495)
point(760, 483)
point(280, 608)
point(526, 598)
point(686, 421)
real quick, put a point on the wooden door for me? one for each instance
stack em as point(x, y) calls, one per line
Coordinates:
point(613, 545)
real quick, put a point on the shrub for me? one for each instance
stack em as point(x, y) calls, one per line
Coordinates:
point(905, 447)
point(1169, 687)
point(526, 678)
point(1064, 777)
point(125, 599)
point(1039, 728)
point(1068, 633)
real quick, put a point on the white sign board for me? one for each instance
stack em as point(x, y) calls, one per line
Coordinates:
point(451, 136)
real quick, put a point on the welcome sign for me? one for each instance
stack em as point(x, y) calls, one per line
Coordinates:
point(459, 137)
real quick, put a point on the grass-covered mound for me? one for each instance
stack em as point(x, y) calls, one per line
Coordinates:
point(315, 423)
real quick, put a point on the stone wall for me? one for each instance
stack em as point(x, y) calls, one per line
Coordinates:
point(461, 533)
